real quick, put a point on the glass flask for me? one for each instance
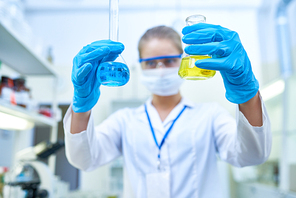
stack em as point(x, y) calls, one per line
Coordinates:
point(114, 73)
point(187, 69)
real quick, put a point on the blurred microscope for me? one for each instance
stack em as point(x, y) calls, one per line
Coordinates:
point(32, 176)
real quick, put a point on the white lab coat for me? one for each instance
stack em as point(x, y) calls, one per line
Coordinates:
point(188, 154)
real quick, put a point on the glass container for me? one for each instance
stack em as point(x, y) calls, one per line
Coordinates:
point(187, 69)
point(114, 73)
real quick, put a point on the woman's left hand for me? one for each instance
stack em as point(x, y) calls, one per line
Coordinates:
point(228, 56)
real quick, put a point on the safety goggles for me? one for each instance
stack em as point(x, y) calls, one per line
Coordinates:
point(160, 61)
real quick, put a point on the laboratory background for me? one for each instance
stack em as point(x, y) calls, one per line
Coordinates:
point(38, 41)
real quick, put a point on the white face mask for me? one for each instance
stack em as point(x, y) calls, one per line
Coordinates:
point(162, 81)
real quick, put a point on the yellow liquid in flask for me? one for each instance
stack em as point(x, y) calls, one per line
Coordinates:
point(189, 71)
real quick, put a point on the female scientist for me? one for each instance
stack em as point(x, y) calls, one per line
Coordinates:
point(169, 144)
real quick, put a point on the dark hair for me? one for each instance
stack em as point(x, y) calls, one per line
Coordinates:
point(161, 32)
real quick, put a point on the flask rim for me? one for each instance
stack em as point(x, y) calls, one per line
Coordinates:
point(196, 18)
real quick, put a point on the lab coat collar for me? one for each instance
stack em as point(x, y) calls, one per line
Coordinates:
point(187, 102)
point(183, 102)
point(157, 124)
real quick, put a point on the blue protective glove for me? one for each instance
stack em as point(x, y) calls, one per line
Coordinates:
point(229, 57)
point(85, 72)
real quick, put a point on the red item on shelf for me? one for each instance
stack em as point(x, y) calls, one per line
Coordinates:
point(12, 98)
point(5, 169)
point(46, 112)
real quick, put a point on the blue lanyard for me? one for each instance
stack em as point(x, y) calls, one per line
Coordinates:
point(166, 134)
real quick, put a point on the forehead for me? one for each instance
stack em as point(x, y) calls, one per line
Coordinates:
point(158, 47)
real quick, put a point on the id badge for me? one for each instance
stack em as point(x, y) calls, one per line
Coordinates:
point(158, 185)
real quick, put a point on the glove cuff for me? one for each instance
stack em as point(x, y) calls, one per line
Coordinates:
point(241, 93)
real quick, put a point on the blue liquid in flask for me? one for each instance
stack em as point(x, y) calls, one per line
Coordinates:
point(113, 74)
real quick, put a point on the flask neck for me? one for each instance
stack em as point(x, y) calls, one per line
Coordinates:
point(113, 20)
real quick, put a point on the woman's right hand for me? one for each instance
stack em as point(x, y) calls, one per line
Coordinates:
point(85, 72)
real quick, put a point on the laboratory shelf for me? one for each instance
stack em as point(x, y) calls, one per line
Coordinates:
point(21, 112)
point(19, 56)
point(258, 190)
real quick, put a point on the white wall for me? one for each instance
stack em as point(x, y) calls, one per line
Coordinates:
point(271, 68)
point(268, 38)
point(69, 30)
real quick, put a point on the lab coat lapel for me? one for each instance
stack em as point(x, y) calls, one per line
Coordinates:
point(154, 117)
point(172, 115)
point(159, 126)
point(175, 112)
